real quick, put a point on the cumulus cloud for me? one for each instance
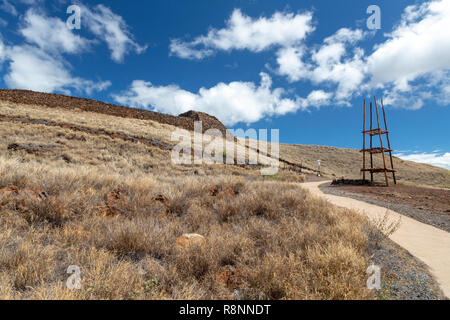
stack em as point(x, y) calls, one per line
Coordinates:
point(344, 35)
point(51, 34)
point(33, 69)
point(230, 102)
point(415, 57)
point(40, 65)
point(111, 28)
point(437, 159)
point(411, 62)
point(2, 51)
point(290, 62)
point(316, 98)
point(330, 63)
point(419, 44)
point(243, 32)
point(347, 73)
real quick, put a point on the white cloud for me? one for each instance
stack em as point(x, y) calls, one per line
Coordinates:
point(8, 7)
point(347, 73)
point(51, 34)
point(112, 28)
point(2, 51)
point(40, 65)
point(33, 69)
point(411, 63)
point(291, 64)
point(403, 66)
point(231, 103)
point(330, 63)
point(416, 52)
point(316, 98)
point(243, 32)
point(435, 158)
point(420, 44)
point(345, 35)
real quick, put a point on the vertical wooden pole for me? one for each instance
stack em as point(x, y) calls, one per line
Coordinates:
point(381, 143)
point(371, 155)
point(389, 143)
point(364, 143)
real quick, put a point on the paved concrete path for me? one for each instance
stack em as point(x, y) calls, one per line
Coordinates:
point(427, 243)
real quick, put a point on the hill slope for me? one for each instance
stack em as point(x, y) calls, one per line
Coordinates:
point(99, 191)
point(339, 162)
point(336, 162)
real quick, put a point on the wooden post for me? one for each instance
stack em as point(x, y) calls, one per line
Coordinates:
point(389, 144)
point(364, 142)
point(381, 143)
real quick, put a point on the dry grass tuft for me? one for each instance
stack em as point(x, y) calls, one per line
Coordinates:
point(383, 227)
point(278, 241)
point(116, 207)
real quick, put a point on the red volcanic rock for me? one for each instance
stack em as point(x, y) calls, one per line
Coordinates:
point(208, 122)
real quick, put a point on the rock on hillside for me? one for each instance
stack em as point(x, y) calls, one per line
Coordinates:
point(208, 122)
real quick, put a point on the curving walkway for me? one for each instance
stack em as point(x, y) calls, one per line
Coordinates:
point(427, 243)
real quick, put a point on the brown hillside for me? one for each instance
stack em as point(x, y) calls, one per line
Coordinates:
point(155, 129)
point(185, 120)
point(100, 191)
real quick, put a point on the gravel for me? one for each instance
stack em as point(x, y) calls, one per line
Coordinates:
point(439, 221)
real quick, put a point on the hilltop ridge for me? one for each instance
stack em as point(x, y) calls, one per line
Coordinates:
point(185, 120)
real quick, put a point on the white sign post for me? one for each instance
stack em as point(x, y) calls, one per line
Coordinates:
point(318, 166)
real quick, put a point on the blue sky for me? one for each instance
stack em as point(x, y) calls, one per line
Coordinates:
point(303, 67)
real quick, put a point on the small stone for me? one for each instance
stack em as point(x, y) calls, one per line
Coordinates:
point(231, 277)
point(190, 239)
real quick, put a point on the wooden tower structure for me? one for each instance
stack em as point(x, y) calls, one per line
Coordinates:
point(378, 149)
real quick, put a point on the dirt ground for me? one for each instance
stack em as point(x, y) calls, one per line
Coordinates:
point(427, 205)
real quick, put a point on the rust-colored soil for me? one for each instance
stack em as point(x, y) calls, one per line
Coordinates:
point(434, 201)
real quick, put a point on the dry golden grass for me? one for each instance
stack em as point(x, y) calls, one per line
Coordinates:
point(129, 126)
point(286, 244)
point(105, 154)
point(339, 162)
point(115, 208)
point(336, 162)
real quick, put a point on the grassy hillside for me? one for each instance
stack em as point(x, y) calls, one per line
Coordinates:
point(99, 191)
point(339, 162)
point(122, 230)
point(336, 162)
point(74, 190)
